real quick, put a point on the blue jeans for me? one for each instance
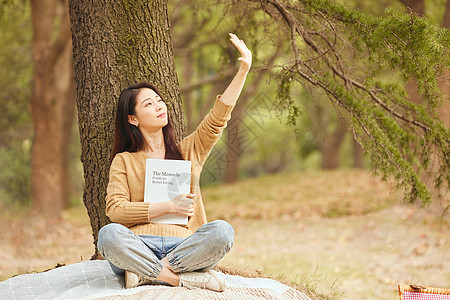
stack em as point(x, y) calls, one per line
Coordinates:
point(142, 254)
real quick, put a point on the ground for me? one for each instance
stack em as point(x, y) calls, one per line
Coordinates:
point(365, 256)
point(344, 234)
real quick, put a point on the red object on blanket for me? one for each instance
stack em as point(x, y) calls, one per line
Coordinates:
point(416, 292)
point(424, 296)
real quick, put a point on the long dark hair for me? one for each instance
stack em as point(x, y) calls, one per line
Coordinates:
point(128, 137)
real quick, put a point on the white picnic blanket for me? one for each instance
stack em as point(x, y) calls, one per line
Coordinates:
point(95, 279)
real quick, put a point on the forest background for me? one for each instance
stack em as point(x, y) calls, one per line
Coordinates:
point(257, 142)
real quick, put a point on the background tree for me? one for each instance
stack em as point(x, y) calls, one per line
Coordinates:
point(399, 136)
point(52, 106)
point(115, 44)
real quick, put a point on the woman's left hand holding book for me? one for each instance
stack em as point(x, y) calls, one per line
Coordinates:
point(182, 205)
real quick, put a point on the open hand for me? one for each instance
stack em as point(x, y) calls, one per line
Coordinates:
point(246, 55)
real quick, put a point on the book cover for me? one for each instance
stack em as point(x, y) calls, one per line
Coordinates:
point(164, 180)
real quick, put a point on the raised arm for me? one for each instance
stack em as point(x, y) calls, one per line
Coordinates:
point(203, 139)
point(232, 92)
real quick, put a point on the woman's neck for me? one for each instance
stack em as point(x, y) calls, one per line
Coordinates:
point(154, 142)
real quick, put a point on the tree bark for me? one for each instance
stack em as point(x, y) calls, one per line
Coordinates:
point(52, 107)
point(116, 43)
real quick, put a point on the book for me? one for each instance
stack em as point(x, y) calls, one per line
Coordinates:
point(164, 180)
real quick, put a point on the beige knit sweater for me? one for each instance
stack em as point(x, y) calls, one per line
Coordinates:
point(125, 191)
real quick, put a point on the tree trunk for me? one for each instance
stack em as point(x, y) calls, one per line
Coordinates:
point(52, 107)
point(331, 146)
point(446, 21)
point(116, 43)
point(234, 140)
point(328, 138)
point(358, 158)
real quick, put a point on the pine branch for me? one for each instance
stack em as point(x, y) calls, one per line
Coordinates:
point(401, 133)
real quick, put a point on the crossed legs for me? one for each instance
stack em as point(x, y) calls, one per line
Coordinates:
point(199, 252)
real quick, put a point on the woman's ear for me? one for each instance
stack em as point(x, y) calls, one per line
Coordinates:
point(133, 120)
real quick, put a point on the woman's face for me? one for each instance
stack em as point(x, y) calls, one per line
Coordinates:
point(151, 111)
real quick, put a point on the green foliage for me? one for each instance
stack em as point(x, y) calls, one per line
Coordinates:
point(285, 101)
point(15, 74)
point(16, 174)
point(276, 149)
point(375, 8)
point(408, 43)
point(349, 55)
point(15, 91)
point(6, 6)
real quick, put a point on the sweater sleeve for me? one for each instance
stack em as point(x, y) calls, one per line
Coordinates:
point(119, 207)
point(203, 139)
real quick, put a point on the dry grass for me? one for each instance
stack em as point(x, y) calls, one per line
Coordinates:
point(306, 283)
point(293, 196)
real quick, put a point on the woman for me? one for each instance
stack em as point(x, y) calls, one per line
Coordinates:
point(147, 252)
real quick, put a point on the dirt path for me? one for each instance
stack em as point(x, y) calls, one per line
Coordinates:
point(367, 255)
